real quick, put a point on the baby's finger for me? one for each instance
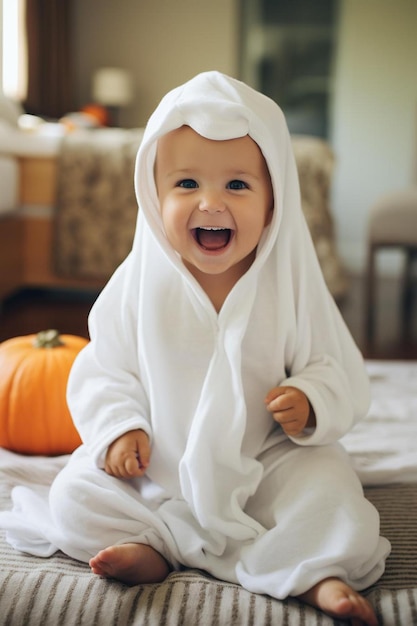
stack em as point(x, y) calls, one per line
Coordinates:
point(283, 417)
point(291, 427)
point(144, 450)
point(132, 466)
point(280, 404)
point(115, 470)
point(274, 393)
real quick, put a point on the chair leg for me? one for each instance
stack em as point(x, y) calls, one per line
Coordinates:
point(370, 295)
point(407, 297)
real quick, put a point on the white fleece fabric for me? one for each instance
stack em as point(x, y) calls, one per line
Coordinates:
point(226, 489)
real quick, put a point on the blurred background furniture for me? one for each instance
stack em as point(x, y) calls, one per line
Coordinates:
point(392, 224)
point(9, 229)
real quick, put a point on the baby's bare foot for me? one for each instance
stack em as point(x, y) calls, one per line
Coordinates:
point(337, 599)
point(130, 563)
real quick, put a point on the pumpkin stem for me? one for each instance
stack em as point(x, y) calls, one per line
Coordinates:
point(48, 339)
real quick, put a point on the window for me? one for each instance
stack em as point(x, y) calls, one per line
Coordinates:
point(287, 53)
point(14, 62)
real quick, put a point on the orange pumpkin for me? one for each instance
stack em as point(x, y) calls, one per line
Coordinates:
point(34, 416)
point(98, 113)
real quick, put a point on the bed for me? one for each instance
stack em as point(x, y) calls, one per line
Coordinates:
point(383, 448)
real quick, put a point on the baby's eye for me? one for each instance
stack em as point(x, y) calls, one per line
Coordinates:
point(187, 183)
point(236, 184)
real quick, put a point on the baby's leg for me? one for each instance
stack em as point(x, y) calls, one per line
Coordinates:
point(105, 521)
point(322, 531)
point(130, 563)
point(338, 600)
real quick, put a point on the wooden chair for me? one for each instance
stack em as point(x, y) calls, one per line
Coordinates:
point(392, 224)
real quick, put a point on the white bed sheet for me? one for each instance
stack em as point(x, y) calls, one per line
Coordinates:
point(46, 140)
point(43, 143)
point(383, 446)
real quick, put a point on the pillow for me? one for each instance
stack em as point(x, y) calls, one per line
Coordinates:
point(10, 111)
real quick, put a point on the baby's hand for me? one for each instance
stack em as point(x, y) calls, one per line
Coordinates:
point(291, 409)
point(128, 456)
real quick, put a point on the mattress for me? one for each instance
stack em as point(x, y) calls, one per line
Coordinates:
point(43, 143)
point(383, 448)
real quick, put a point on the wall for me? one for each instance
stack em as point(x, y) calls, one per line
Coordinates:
point(162, 42)
point(375, 114)
point(1, 45)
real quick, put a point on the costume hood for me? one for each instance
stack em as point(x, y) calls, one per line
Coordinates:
point(219, 107)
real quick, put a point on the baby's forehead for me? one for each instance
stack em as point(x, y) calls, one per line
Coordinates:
point(184, 149)
point(185, 129)
point(185, 137)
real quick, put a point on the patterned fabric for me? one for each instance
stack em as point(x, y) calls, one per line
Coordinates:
point(186, 599)
point(97, 208)
point(315, 163)
point(96, 202)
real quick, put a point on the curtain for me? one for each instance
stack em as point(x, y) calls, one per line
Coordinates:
point(49, 86)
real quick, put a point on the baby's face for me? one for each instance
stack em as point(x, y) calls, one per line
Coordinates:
point(215, 197)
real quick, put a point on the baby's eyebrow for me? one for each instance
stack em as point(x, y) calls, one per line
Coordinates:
point(243, 174)
point(179, 173)
point(229, 173)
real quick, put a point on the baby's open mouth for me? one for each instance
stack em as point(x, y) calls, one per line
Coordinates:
point(212, 237)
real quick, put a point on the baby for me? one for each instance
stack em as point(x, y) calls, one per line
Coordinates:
point(219, 377)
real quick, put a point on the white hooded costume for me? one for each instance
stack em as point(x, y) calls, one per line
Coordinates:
point(226, 490)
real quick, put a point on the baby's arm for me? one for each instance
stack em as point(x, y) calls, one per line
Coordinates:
point(291, 409)
point(128, 456)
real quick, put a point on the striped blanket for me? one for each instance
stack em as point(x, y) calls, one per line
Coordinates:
point(61, 591)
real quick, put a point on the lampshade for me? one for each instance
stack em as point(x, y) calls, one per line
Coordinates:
point(112, 86)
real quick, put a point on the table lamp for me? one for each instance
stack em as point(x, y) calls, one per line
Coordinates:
point(113, 88)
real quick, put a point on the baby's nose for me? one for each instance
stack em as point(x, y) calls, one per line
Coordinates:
point(212, 202)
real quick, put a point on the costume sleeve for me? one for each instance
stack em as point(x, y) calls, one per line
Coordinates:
point(338, 400)
point(105, 394)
